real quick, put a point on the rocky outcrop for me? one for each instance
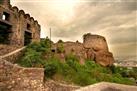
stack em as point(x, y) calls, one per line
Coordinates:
point(94, 47)
point(95, 42)
point(104, 58)
point(98, 49)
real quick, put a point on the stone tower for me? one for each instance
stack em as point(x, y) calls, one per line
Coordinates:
point(5, 3)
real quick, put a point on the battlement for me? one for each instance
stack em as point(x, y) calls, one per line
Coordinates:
point(24, 28)
point(26, 16)
point(5, 3)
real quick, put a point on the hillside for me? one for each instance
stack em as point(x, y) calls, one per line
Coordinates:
point(70, 70)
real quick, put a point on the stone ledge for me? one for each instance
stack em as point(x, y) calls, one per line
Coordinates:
point(106, 86)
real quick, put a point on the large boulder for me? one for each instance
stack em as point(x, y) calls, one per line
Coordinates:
point(104, 58)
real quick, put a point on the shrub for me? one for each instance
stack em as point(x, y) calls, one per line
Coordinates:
point(71, 57)
point(83, 78)
point(71, 70)
point(60, 47)
point(50, 69)
point(31, 59)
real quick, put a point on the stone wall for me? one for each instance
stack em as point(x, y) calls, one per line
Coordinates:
point(94, 47)
point(4, 49)
point(99, 47)
point(19, 21)
point(106, 86)
point(96, 42)
point(55, 86)
point(14, 55)
point(16, 78)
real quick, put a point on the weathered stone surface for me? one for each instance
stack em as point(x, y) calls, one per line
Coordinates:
point(96, 42)
point(94, 48)
point(14, 55)
point(104, 58)
point(106, 86)
point(18, 23)
point(16, 78)
point(73, 47)
point(4, 49)
point(54, 86)
point(90, 54)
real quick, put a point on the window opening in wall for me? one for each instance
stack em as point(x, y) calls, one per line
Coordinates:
point(5, 16)
point(27, 38)
point(28, 27)
point(5, 31)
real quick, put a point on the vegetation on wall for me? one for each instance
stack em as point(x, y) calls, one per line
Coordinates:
point(60, 47)
point(71, 71)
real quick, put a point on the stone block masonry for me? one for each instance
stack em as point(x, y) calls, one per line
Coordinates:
point(16, 78)
point(17, 27)
point(14, 55)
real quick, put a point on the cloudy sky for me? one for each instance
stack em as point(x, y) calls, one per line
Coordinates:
point(70, 19)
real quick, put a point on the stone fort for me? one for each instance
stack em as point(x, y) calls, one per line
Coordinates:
point(17, 27)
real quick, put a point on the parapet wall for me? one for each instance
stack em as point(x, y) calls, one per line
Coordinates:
point(14, 55)
point(106, 86)
point(16, 78)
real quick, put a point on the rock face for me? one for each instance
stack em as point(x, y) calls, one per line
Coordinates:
point(95, 42)
point(99, 48)
point(104, 58)
point(94, 47)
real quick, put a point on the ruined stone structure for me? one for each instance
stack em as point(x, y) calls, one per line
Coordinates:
point(16, 27)
point(94, 47)
point(16, 78)
point(97, 46)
